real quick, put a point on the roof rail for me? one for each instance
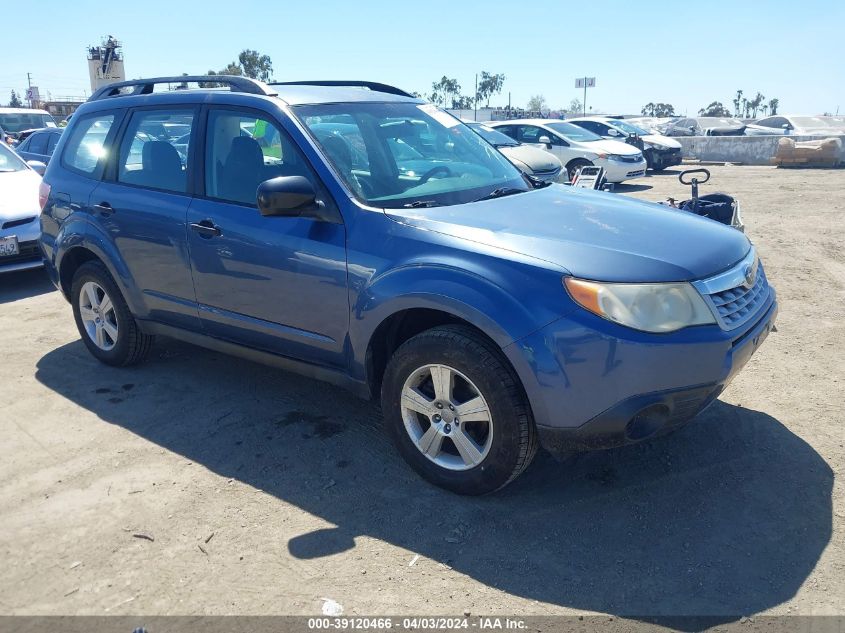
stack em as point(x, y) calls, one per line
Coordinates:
point(236, 83)
point(371, 85)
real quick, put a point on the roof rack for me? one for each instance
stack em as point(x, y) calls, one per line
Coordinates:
point(236, 83)
point(371, 85)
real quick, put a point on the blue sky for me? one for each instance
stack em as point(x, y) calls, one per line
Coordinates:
point(641, 51)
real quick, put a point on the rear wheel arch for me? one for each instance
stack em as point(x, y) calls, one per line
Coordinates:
point(70, 263)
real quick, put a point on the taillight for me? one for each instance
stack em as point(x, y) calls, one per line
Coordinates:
point(43, 194)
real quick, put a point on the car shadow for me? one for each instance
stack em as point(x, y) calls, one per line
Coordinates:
point(24, 283)
point(626, 188)
point(726, 517)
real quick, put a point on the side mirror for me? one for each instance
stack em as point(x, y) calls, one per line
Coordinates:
point(612, 132)
point(545, 140)
point(37, 166)
point(786, 126)
point(288, 196)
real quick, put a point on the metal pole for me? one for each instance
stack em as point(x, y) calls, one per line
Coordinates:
point(584, 105)
point(475, 114)
point(29, 88)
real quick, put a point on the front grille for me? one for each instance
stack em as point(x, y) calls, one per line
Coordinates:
point(632, 158)
point(634, 174)
point(29, 251)
point(13, 223)
point(739, 304)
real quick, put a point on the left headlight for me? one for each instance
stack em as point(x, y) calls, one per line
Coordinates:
point(664, 307)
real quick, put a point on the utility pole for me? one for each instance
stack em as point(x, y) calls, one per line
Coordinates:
point(29, 89)
point(584, 105)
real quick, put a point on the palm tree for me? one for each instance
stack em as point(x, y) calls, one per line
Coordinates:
point(773, 106)
point(737, 101)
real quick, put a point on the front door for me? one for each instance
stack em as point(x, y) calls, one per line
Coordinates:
point(273, 283)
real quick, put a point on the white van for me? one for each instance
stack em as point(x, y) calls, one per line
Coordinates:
point(13, 121)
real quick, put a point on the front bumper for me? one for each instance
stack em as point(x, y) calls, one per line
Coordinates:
point(595, 384)
point(663, 158)
point(30, 253)
point(619, 171)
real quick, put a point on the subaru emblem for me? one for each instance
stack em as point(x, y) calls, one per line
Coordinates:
point(749, 276)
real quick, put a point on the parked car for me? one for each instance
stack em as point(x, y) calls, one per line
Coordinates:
point(657, 125)
point(577, 147)
point(797, 125)
point(659, 151)
point(19, 211)
point(39, 145)
point(487, 315)
point(527, 159)
point(13, 121)
point(706, 126)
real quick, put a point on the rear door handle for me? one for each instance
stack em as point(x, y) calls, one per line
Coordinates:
point(206, 228)
point(104, 208)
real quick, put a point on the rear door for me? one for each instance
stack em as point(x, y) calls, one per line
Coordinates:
point(271, 283)
point(142, 205)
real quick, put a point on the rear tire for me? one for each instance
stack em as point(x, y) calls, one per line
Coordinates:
point(573, 166)
point(479, 398)
point(103, 319)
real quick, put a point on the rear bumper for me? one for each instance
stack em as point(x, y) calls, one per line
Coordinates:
point(594, 384)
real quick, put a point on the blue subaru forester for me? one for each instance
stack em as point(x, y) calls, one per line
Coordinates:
point(354, 233)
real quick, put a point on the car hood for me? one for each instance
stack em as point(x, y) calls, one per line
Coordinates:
point(608, 147)
point(534, 157)
point(20, 195)
point(659, 139)
point(591, 234)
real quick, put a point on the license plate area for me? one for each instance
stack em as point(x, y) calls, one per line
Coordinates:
point(9, 246)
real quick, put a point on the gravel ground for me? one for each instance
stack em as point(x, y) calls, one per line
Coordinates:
point(202, 484)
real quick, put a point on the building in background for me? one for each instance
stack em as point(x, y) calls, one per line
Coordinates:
point(62, 107)
point(105, 64)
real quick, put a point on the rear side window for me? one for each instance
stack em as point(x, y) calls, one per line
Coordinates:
point(38, 144)
point(86, 146)
point(154, 150)
point(51, 144)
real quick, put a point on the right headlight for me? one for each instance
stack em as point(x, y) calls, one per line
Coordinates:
point(663, 307)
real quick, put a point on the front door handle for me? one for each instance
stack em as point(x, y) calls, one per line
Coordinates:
point(206, 228)
point(104, 208)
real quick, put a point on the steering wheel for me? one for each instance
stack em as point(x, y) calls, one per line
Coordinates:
point(431, 172)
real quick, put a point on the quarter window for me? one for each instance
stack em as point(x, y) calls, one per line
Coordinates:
point(154, 150)
point(242, 151)
point(85, 148)
point(38, 144)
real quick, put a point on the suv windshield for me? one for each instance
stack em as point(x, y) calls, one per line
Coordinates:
point(573, 132)
point(20, 121)
point(395, 155)
point(9, 161)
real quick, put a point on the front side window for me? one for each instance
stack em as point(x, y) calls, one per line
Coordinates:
point(243, 150)
point(395, 155)
point(86, 146)
point(573, 133)
point(154, 150)
point(629, 128)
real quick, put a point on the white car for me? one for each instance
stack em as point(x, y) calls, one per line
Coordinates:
point(576, 147)
point(19, 211)
point(797, 125)
point(659, 151)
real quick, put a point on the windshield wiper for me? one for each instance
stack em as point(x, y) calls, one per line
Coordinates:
point(499, 192)
point(417, 204)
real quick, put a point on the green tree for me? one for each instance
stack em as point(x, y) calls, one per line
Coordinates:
point(464, 102)
point(714, 109)
point(489, 85)
point(444, 91)
point(737, 102)
point(537, 103)
point(773, 106)
point(755, 104)
point(15, 100)
point(250, 64)
point(658, 109)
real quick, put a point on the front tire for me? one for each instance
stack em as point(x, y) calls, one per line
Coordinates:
point(103, 319)
point(573, 166)
point(457, 412)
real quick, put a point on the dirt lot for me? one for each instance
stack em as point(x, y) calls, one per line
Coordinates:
point(201, 484)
